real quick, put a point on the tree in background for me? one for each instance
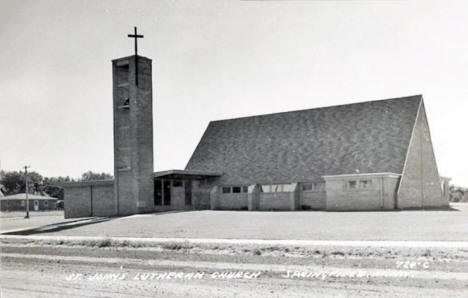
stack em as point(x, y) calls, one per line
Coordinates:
point(59, 179)
point(51, 186)
point(457, 194)
point(91, 176)
point(14, 181)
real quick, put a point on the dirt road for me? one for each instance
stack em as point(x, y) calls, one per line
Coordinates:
point(31, 269)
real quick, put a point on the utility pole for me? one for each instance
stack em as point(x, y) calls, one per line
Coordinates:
point(27, 190)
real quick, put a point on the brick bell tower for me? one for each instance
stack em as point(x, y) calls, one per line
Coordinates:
point(133, 133)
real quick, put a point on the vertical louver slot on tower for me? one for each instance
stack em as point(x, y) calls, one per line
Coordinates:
point(122, 75)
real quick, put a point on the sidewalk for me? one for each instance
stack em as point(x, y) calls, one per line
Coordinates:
point(16, 221)
point(36, 227)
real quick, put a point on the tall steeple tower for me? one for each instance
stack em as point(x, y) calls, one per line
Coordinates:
point(133, 133)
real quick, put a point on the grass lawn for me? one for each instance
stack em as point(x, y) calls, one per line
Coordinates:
point(314, 225)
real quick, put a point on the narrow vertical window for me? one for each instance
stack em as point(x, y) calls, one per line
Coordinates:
point(167, 192)
point(188, 192)
point(157, 193)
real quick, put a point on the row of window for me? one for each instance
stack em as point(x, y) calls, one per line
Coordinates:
point(307, 186)
point(235, 189)
point(354, 184)
point(314, 186)
point(275, 188)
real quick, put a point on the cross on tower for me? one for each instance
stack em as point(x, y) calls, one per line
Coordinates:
point(136, 36)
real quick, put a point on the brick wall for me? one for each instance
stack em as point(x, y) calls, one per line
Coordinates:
point(201, 192)
point(420, 183)
point(233, 201)
point(315, 200)
point(133, 135)
point(103, 200)
point(274, 201)
point(379, 195)
point(286, 200)
point(93, 198)
point(254, 199)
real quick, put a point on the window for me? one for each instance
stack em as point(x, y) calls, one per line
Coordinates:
point(288, 187)
point(307, 186)
point(167, 192)
point(188, 192)
point(361, 184)
point(277, 188)
point(22, 203)
point(235, 189)
point(313, 186)
point(318, 186)
point(157, 193)
point(46, 203)
point(268, 188)
point(177, 183)
point(365, 183)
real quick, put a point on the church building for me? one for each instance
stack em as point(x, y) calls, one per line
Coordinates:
point(373, 155)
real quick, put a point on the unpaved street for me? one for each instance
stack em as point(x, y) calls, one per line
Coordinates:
point(34, 269)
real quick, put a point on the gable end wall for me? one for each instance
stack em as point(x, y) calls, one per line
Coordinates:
point(420, 182)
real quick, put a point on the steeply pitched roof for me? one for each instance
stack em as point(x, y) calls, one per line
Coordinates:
point(370, 137)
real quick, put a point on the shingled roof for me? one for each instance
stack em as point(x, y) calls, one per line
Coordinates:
point(371, 137)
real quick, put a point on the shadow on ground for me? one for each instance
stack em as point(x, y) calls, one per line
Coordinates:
point(55, 227)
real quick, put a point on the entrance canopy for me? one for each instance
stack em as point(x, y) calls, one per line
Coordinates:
point(185, 174)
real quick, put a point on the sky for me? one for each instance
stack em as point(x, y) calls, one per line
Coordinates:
point(220, 59)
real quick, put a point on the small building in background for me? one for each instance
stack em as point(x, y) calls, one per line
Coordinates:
point(17, 202)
